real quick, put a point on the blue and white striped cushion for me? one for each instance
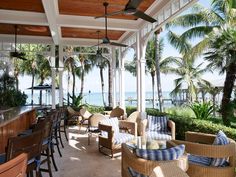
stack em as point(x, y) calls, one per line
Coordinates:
point(159, 155)
point(221, 139)
point(157, 123)
point(120, 138)
point(200, 160)
point(114, 122)
point(158, 135)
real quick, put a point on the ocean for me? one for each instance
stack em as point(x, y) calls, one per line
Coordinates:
point(96, 98)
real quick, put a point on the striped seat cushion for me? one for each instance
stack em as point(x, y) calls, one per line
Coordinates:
point(159, 155)
point(158, 135)
point(221, 139)
point(120, 138)
point(157, 123)
point(199, 160)
point(114, 122)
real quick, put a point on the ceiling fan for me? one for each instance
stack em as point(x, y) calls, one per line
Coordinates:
point(131, 9)
point(99, 56)
point(106, 40)
point(16, 54)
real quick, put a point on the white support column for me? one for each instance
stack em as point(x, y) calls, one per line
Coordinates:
point(53, 88)
point(122, 81)
point(52, 64)
point(141, 62)
point(61, 70)
point(114, 77)
point(138, 46)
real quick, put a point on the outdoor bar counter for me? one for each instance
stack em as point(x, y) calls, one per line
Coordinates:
point(13, 121)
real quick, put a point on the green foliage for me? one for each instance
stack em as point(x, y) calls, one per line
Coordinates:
point(12, 98)
point(180, 111)
point(95, 109)
point(184, 124)
point(202, 110)
point(77, 101)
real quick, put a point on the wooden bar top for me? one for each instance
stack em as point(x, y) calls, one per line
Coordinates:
point(13, 121)
point(9, 115)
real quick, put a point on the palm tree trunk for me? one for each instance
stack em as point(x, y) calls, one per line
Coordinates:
point(102, 84)
point(82, 83)
point(68, 87)
point(227, 91)
point(158, 77)
point(110, 84)
point(153, 89)
point(17, 82)
point(32, 89)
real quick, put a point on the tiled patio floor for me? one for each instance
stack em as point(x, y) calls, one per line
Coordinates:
point(80, 160)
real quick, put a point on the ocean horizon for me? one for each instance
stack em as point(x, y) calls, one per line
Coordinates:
point(95, 98)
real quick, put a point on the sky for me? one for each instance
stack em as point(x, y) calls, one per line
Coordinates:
point(92, 80)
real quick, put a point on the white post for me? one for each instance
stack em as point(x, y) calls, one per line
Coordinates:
point(52, 64)
point(53, 88)
point(114, 77)
point(141, 62)
point(61, 69)
point(122, 81)
point(138, 70)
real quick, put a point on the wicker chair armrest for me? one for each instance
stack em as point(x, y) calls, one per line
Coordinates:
point(132, 126)
point(108, 129)
point(213, 151)
point(199, 137)
point(171, 125)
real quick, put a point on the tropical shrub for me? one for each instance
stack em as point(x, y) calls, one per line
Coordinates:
point(202, 110)
point(12, 98)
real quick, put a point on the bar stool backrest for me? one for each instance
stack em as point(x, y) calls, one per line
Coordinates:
point(30, 144)
point(15, 167)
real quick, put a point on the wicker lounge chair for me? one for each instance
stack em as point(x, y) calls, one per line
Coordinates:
point(201, 145)
point(145, 167)
point(113, 140)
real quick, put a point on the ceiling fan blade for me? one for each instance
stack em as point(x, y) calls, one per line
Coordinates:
point(118, 44)
point(144, 16)
point(133, 4)
point(110, 14)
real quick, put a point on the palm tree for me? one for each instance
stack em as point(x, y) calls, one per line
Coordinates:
point(184, 67)
point(222, 54)
point(150, 63)
point(203, 22)
point(151, 53)
point(43, 71)
point(102, 63)
point(86, 65)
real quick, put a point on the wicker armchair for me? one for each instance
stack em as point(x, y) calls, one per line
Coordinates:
point(137, 117)
point(73, 116)
point(85, 115)
point(168, 134)
point(109, 142)
point(145, 167)
point(201, 144)
point(118, 112)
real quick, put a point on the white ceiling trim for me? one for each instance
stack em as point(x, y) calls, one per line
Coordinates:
point(26, 39)
point(22, 17)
